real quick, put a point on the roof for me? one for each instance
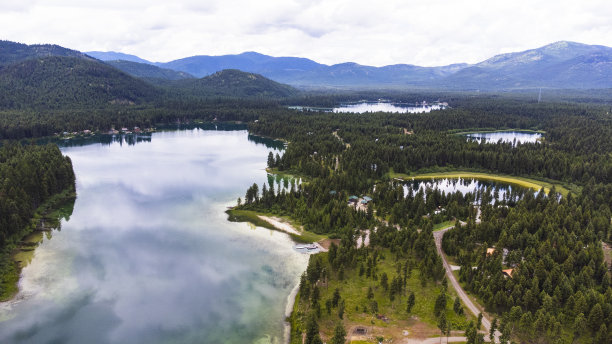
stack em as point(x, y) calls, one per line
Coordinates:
point(508, 272)
point(353, 197)
point(490, 251)
point(367, 199)
point(333, 192)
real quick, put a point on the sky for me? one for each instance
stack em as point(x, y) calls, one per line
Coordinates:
point(420, 32)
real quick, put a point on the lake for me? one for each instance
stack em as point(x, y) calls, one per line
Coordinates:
point(364, 107)
point(514, 137)
point(148, 256)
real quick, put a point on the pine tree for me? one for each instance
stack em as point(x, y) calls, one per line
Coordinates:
point(339, 334)
point(410, 303)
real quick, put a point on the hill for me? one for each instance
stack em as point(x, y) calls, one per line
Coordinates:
point(235, 83)
point(11, 52)
point(147, 71)
point(69, 82)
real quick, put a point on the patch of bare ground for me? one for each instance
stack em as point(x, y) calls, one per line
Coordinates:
point(607, 249)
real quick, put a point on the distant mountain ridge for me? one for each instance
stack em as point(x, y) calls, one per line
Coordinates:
point(11, 52)
point(558, 65)
point(235, 83)
point(148, 71)
point(114, 56)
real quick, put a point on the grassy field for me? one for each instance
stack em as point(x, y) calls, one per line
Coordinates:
point(443, 225)
point(513, 180)
point(239, 215)
point(288, 174)
point(420, 322)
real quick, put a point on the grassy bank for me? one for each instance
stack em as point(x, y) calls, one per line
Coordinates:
point(17, 254)
point(534, 184)
point(240, 215)
point(491, 130)
point(442, 225)
point(289, 174)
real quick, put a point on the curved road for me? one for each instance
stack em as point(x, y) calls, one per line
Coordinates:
point(486, 323)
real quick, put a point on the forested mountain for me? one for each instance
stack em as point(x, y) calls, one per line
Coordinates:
point(561, 65)
point(148, 71)
point(11, 52)
point(235, 83)
point(68, 82)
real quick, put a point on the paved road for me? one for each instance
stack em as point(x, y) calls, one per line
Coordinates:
point(486, 323)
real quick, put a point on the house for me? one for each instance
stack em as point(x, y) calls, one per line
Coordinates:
point(353, 199)
point(366, 200)
point(508, 272)
point(439, 210)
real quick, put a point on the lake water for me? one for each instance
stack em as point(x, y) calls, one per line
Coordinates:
point(513, 137)
point(386, 107)
point(148, 255)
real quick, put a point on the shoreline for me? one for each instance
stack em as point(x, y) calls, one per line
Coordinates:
point(289, 311)
point(50, 208)
point(277, 224)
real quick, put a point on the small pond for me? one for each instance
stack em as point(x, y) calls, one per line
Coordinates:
point(481, 190)
point(514, 137)
point(364, 107)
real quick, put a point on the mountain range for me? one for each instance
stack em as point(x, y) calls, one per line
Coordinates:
point(50, 77)
point(564, 65)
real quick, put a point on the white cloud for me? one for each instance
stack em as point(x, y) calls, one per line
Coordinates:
point(422, 32)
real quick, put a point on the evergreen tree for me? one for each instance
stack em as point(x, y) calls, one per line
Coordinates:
point(339, 334)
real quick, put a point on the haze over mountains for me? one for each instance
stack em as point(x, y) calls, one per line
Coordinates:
point(565, 65)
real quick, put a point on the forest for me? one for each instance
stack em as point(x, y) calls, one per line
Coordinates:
point(559, 289)
point(31, 175)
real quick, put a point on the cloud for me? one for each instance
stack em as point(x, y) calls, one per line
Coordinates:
point(421, 32)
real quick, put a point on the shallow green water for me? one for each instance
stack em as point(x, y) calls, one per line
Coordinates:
point(147, 255)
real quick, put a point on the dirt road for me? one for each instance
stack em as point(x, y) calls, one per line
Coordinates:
point(486, 323)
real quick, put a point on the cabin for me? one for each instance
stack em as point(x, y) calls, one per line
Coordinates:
point(366, 200)
point(360, 331)
point(353, 199)
point(508, 272)
point(490, 251)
